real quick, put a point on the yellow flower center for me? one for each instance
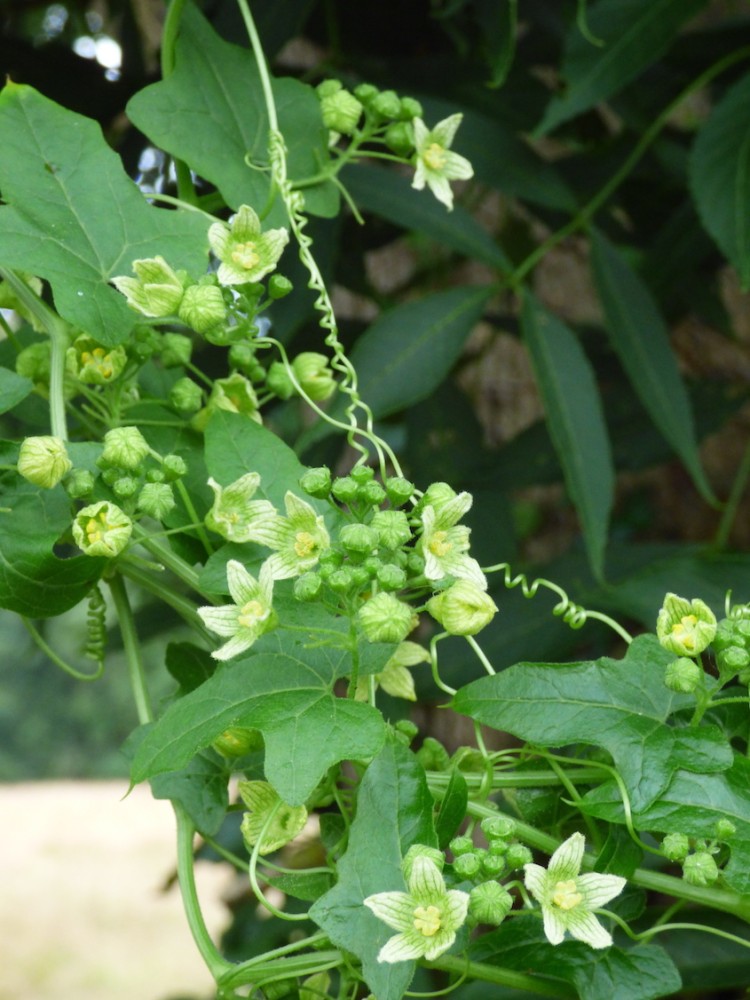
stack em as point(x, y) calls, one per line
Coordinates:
point(251, 614)
point(439, 545)
point(95, 530)
point(565, 895)
point(304, 544)
point(434, 156)
point(245, 255)
point(427, 920)
point(683, 631)
point(99, 359)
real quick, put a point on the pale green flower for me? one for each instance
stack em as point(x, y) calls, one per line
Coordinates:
point(396, 678)
point(262, 800)
point(234, 512)
point(434, 160)
point(568, 899)
point(43, 460)
point(156, 290)
point(426, 917)
point(445, 543)
point(685, 627)
point(463, 608)
point(249, 617)
point(102, 529)
point(299, 538)
point(246, 253)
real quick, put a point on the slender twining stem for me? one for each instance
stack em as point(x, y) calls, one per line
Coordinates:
point(45, 647)
point(502, 977)
point(167, 557)
point(185, 186)
point(132, 647)
point(57, 329)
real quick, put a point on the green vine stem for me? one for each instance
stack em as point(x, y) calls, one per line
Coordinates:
point(132, 648)
point(57, 329)
point(45, 647)
point(185, 186)
point(535, 985)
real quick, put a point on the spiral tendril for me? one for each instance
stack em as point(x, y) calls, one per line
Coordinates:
point(96, 626)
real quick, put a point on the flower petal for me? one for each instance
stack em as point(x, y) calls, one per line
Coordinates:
point(394, 908)
point(245, 224)
point(598, 889)
point(242, 585)
point(453, 510)
point(455, 908)
point(445, 131)
point(440, 187)
point(456, 167)
point(584, 926)
point(565, 863)
point(218, 238)
point(222, 621)
point(554, 925)
point(438, 944)
point(426, 883)
point(238, 644)
point(536, 881)
point(401, 948)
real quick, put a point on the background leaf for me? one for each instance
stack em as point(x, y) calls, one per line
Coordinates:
point(394, 811)
point(575, 420)
point(635, 34)
point(720, 176)
point(74, 217)
point(641, 340)
point(13, 388)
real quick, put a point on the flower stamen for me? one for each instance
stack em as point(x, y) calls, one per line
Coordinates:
point(566, 895)
point(427, 920)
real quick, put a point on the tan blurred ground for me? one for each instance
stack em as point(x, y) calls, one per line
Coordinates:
point(83, 914)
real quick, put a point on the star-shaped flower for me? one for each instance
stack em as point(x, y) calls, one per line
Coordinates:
point(685, 627)
point(426, 917)
point(436, 163)
point(445, 543)
point(249, 617)
point(234, 513)
point(568, 899)
point(244, 251)
point(298, 538)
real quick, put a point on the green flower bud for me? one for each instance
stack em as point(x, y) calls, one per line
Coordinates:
point(372, 494)
point(317, 482)
point(493, 865)
point(498, 827)
point(517, 856)
point(373, 565)
point(314, 376)
point(279, 382)
point(279, 287)
point(341, 111)
point(387, 104)
point(489, 903)
point(34, 362)
point(237, 741)
point(386, 619)
point(421, 851)
point(344, 489)
point(156, 500)
point(410, 108)
point(726, 635)
point(43, 461)
point(398, 490)
point(499, 847)
point(468, 865)
point(462, 609)
point(461, 845)
point(742, 628)
point(155, 476)
point(366, 92)
point(186, 396)
point(399, 138)
point(725, 829)
point(360, 577)
point(174, 466)
point(732, 659)
point(676, 846)
point(125, 447)
point(392, 527)
point(331, 558)
point(436, 496)
point(202, 307)
point(362, 474)
point(112, 474)
point(685, 627)
point(415, 563)
point(341, 581)
point(358, 539)
point(262, 799)
point(242, 357)
point(125, 487)
point(327, 88)
point(433, 756)
point(700, 869)
point(176, 350)
point(156, 290)
point(102, 529)
point(93, 364)
point(683, 675)
point(308, 586)
point(406, 730)
point(145, 341)
point(79, 484)
point(391, 577)
point(236, 395)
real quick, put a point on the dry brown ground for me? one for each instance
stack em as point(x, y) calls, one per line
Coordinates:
point(83, 914)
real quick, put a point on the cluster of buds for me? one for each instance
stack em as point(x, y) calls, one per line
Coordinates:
point(375, 114)
point(685, 628)
point(503, 854)
point(697, 856)
point(731, 646)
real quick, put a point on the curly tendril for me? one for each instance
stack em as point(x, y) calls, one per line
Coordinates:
point(96, 626)
point(572, 614)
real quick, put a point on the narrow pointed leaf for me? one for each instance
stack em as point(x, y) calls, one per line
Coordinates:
point(640, 337)
point(720, 176)
point(635, 34)
point(575, 421)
